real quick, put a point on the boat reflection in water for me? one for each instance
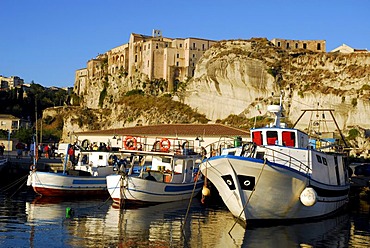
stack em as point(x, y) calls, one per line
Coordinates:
point(95, 224)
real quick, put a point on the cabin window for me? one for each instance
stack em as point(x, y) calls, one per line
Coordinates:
point(257, 138)
point(272, 137)
point(288, 138)
point(166, 160)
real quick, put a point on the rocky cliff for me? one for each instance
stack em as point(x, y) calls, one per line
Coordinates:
point(239, 77)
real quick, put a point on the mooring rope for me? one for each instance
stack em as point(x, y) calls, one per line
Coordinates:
point(13, 184)
point(188, 208)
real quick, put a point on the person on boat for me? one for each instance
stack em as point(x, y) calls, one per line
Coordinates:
point(150, 177)
point(46, 151)
point(122, 163)
point(2, 149)
point(71, 154)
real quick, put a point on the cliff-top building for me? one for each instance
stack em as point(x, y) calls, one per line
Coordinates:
point(158, 57)
point(8, 83)
point(312, 45)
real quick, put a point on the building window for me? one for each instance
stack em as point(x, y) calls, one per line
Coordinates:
point(304, 45)
point(194, 46)
point(177, 55)
point(203, 47)
point(287, 45)
point(177, 63)
point(278, 44)
point(148, 63)
point(193, 64)
point(180, 45)
point(135, 58)
point(148, 46)
point(296, 45)
point(193, 55)
point(156, 46)
point(318, 46)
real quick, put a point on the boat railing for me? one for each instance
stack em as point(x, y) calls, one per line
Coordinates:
point(159, 144)
point(276, 156)
point(224, 142)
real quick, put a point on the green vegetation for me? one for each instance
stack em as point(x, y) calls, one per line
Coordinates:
point(22, 104)
point(245, 123)
point(164, 105)
point(134, 92)
point(353, 134)
point(29, 105)
point(365, 87)
point(102, 96)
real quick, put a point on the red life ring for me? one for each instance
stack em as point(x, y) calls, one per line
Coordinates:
point(165, 145)
point(130, 143)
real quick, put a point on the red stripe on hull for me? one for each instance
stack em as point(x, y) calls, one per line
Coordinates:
point(63, 193)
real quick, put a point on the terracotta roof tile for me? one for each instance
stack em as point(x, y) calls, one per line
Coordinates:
point(173, 130)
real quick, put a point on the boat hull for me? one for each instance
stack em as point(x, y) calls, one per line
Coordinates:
point(136, 190)
point(59, 185)
point(256, 190)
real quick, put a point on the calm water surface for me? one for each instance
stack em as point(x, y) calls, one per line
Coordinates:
point(29, 221)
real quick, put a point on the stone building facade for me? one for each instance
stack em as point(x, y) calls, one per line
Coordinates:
point(312, 45)
point(8, 83)
point(158, 57)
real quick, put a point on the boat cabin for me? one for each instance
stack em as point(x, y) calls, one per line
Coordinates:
point(279, 136)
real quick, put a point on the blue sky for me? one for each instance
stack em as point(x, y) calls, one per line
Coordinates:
point(45, 41)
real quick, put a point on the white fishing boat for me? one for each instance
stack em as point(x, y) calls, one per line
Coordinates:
point(168, 171)
point(282, 174)
point(86, 178)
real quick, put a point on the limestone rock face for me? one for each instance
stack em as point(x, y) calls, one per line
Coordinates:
point(241, 77)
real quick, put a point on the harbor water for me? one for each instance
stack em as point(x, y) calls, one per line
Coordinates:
point(27, 220)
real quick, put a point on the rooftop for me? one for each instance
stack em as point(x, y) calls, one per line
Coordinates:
point(163, 130)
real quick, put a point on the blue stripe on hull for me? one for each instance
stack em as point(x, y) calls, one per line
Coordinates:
point(79, 181)
point(180, 188)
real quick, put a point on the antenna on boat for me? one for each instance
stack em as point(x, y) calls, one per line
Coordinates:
point(277, 109)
